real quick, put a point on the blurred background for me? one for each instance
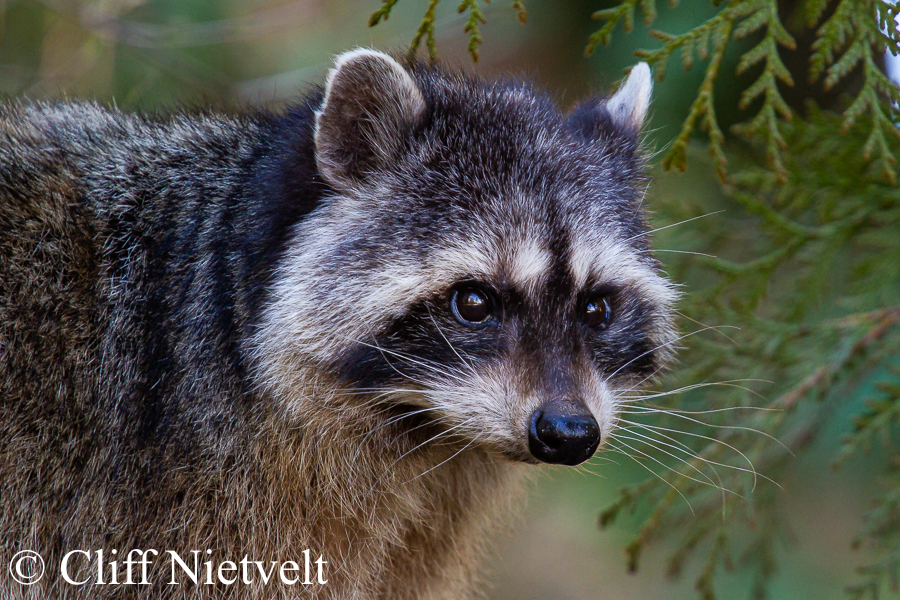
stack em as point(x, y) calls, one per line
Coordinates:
point(157, 55)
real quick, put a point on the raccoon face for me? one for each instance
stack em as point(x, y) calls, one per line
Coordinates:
point(483, 259)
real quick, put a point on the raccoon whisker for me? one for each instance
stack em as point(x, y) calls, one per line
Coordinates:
point(650, 442)
point(663, 345)
point(391, 421)
point(716, 328)
point(374, 400)
point(681, 252)
point(365, 391)
point(709, 481)
point(391, 365)
point(425, 364)
point(656, 152)
point(582, 470)
point(411, 450)
point(639, 383)
point(423, 392)
point(379, 398)
point(657, 428)
point(717, 484)
point(700, 323)
point(403, 357)
point(599, 458)
point(654, 473)
point(438, 327)
point(387, 424)
point(674, 440)
point(445, 461)
point(584, 467)
point(688, 450)
point(686, 388)
point(640, 235)
point(649, 410)
point(620, 394)
point(738, 427)
point(602, 458)
point(694, 386)
point(683, 448)
point(643, 196)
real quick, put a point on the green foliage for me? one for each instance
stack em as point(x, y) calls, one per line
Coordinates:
point(611, 17)
point(476, 17)
point(801, 261)
point(880, 422)
point(858, 31)
point(737, 20)
point(426, 30)
point(850, 37)
point(808, 265)
point(881, 529)
point(426, 27)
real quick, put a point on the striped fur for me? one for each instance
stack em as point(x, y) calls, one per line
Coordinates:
point(233, 331)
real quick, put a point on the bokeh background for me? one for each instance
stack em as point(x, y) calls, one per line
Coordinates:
point(171, 54)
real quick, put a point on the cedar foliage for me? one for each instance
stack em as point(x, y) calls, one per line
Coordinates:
point(806, 260)
point(426, 29)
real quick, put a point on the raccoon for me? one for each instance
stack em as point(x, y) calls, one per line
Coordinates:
point(345, 329)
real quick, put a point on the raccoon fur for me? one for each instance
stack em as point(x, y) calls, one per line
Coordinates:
point(346, 328)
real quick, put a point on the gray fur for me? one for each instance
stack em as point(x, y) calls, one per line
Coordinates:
point(232, 332)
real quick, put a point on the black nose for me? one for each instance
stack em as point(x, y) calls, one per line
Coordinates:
point(563, 434)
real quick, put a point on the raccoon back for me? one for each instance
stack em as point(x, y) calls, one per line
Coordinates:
point(134, 252)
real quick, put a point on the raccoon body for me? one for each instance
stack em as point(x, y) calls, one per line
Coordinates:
point(346, 328)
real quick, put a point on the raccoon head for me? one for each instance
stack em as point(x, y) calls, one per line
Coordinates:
point(481, 258)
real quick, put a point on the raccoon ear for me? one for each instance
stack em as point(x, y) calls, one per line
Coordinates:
point(628, 106)
point(625, 110)
point(370, 103)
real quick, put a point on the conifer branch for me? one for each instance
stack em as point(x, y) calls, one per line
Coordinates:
point(852, 36)
point(521, 12)
point(766, 123)
point(426, 30)
point(624, 13)
point(476, 17)
point(702, 108)
point(383, 12)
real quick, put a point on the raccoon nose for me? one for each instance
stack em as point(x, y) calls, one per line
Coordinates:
point(563, 434)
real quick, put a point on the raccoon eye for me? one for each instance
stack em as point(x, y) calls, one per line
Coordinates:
point(597, 312)
point(471, 306)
